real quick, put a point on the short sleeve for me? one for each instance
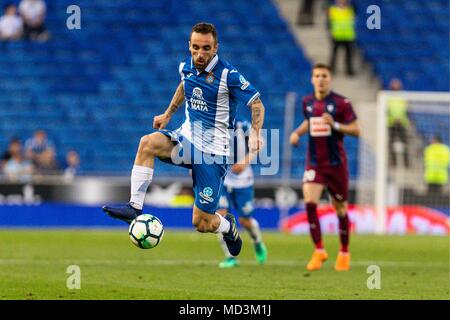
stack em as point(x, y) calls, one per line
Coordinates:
point(180, 70)
point(349, 114)
point(240, 89)
point(304, 109)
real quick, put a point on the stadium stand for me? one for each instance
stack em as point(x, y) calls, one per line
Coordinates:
point(428, 125)
point(412, 43)
point(96, 90)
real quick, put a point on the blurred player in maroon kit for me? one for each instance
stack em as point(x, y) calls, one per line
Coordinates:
point(328, 116)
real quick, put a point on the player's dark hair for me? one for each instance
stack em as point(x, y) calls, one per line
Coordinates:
point(437, 138)
point(320, 65)
point(205, 28)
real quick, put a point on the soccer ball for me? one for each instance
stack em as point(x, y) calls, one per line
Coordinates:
point(146, 231)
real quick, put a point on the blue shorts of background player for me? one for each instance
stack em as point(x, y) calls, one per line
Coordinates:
point(240, 201)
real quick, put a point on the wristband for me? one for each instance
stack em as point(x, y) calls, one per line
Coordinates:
point(336, 125)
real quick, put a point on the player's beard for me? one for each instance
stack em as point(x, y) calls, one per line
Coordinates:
point(203, 65)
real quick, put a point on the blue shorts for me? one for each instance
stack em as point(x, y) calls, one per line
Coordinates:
point(207, 177)
point(239, 199)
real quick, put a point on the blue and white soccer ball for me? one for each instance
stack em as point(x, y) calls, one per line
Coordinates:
point(146, 231)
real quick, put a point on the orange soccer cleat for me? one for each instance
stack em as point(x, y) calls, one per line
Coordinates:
point(318, 257)
point(342, 262)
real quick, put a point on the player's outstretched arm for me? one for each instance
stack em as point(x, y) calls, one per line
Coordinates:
point(161, 121)
point(298, 132)
point(255, 141)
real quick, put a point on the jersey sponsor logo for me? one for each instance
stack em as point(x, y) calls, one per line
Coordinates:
point(197, 101)
point(318, 127)
point(206, 194)
point(244, 82)
point(309, 175)
point(233, 71)
point(309, 109)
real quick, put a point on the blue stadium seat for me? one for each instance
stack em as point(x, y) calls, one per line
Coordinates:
point(411, 31)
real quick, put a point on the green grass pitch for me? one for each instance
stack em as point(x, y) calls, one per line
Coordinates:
point(33, 265)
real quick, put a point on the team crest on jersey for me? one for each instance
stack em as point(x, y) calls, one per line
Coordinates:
point(244, 82)
point(197, 101)
point(210, 77)
point(330, 108)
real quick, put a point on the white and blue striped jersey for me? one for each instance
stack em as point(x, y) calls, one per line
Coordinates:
point(211, 100)
point(244, 179)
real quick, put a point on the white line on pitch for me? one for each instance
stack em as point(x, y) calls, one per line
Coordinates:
point(281, 263)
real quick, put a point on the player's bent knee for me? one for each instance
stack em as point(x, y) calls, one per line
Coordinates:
point(196, 221)
point(200, 225)
point(145, 144)
point(150, 145)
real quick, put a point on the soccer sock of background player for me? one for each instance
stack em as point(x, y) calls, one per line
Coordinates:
point(254, 230)
point(344, 232)
point(314, 225)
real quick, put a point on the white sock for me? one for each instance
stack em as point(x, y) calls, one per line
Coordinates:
point(141, 177)
point(224, 225)
point(254, 231)
point(224, 245)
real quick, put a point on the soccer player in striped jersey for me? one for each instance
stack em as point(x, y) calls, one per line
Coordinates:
point(212, 90)
point(328, 117)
